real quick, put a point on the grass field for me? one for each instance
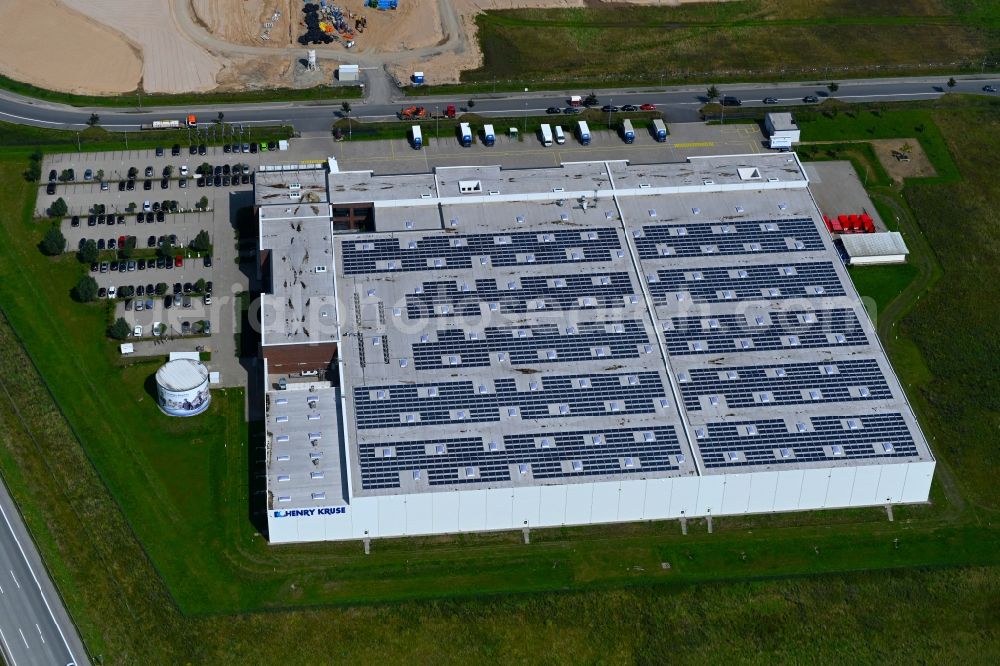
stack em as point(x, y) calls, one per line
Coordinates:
point(145, 525)
point(26, 138)
point(731, 41)
point(328, 94)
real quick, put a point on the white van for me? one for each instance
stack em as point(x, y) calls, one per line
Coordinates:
point(560, 137)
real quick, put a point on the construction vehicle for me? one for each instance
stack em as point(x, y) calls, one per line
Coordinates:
point(412, 112)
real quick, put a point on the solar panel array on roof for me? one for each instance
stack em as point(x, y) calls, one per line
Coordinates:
point(445, 461)
point(459, 251)
point(806, 329)
point(528, 345)
point(728, 238)
point(409, 406)
point(558, 292)
point(788, 384)
point(821, 438)
point(751, 283)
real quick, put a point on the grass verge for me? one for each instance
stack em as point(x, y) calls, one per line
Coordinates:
point(135, 99)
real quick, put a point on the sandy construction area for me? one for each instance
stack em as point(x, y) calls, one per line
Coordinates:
point(171, 62)
point(53, 47)
point(415, 24)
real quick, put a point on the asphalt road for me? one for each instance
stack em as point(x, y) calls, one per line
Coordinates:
point(679, 104)
point(34, 626)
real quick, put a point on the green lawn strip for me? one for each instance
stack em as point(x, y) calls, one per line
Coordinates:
point(882, 284)
point(26, 138)
point(131, 101)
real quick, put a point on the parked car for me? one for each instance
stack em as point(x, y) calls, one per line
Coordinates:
point(811, 99)
point(609, 108)
point(88, 174)
point(168, 302)
point(149, 172)
point(192, 150)
point(53, 176)
point(552, 109)
point(139, 305)
point(201, 149)
point(647, 107)
point(102, 293)
point(186, 301)
point(175, 150)
point(112, 291)
point(729, 100)
point(226, 148)
point(186, 327)
point(207, 299)
point(149, 302)
point(188, 287)
point(75, 221)
point(50, 188)
point(208, 287)
point(630, 107)
point(147, 185)
point(137, 331)
point(159, 151)
point(121, 185)
point(571, 110)
point(208, 261)
point(770, 100)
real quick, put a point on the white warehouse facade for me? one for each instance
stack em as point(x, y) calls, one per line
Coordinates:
point(595, 343)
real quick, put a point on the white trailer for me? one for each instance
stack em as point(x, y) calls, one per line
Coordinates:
point(418, 138)
point(583, 132)
point(546, 134)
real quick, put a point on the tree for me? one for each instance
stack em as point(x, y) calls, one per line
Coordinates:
point(34, 171)
point(712, 93)
point(85, 290)
point(99, 175)
point(199, 286)
point(203, 203)
point(120, 329)
point(346, 108)
point(205, 168)
point(168, 171)
point(58, 208)
point(591, 100)
point(220, 117)
point(472, 103)
point(952, 82)
point(66, 175)
point(88, 253)
point(93, 120)
point(833, 87)
point(133, 172)
point(166, 249)
point(53, 242)
point(201, 242)
point(161, 288)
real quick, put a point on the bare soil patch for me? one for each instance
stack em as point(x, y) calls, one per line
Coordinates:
point(903, 158)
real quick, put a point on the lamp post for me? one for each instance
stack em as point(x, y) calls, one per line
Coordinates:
point(525, 114)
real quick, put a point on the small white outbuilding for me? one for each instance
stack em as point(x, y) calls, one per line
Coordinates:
point(871, 249)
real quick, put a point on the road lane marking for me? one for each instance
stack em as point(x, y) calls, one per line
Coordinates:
point(695, 144)
point(15, 579)
point(23, 638)
point(40, 633)
point(6, 649)
point(52, 615)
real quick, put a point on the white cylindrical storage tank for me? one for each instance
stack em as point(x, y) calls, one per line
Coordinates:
point(182, 387)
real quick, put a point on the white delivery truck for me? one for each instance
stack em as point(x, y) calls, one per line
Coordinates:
point(418, 138)
point(628, 134)
point(546, 134)
point(659, 130)
point(465, 134)
point(560, 137)
point(489, 136)
point(583, 132)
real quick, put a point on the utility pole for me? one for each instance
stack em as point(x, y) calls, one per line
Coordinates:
point(77, 142)
point(525, 114)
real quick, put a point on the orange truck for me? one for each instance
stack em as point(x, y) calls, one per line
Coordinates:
point(412, 112)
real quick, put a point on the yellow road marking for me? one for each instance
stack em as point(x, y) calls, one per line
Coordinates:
point(695, 144)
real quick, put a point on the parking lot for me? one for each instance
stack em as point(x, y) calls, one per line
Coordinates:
point(126, 216)
point(398, 156)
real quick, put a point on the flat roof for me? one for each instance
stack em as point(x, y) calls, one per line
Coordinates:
point(668, 320)
point(782, 121)
point(303, 454)
point(886, 244)
point(299, 306)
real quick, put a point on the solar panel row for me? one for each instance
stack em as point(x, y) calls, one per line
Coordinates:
point(546, 397)
point(529, 455)
point(788, 384)
point(527, 345)
point(438, 251)
point(728, 238)
point(751, 283)
point(823, 438)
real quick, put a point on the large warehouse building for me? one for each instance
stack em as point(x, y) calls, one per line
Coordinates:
point(488, 349)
